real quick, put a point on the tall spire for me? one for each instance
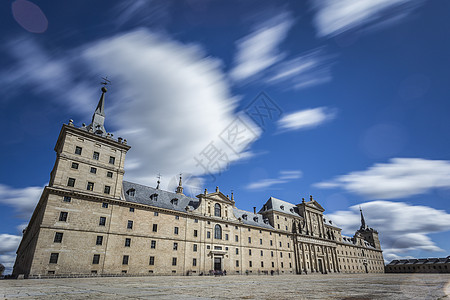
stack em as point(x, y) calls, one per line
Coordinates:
point(363, 222)
point(180, 187)
point(98, 119)
point(159, 181)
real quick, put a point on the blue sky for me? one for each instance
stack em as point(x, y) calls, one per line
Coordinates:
point(358, 92)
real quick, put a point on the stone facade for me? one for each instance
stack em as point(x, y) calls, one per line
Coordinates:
point(90, 221)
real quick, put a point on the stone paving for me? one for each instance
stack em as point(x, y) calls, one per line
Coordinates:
point(352, 286)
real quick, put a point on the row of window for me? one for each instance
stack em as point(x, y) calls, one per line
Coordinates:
point(95, 155)
point(89, 186)
point(93, 170)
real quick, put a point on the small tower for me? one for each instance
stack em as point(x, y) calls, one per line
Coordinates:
point(179, 189)
point(98, 118)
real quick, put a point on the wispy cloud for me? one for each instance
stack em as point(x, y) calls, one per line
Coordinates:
point(402, 227)
point(307, 118)
point(141, 12)
point(334, 17)
point(303, 71)
point(160, 88)
point(8, 246)
point(283, 177)
point(401, 177)
point(260, 49)
point(24, 200)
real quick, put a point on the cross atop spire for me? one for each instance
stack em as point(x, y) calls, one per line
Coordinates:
point(180, 186)
point(363, 222)
point(159, 181)
point(98, 119)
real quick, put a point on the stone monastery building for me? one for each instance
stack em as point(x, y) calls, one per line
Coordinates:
point(89, 221)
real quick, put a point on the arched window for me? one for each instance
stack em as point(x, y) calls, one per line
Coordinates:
point(218, 232)
point(217, 210)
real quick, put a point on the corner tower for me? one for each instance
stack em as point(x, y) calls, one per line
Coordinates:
point(369, 234)
point(88, 159)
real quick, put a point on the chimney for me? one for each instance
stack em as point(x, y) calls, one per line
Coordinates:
point(254, 210)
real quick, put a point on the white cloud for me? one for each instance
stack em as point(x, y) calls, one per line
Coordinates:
point(168, 99)
point(141, 12)
point(303, 71)
point(402, 227)
point(8, 246)
point(24, 200)
point(334, 17)
point(170, 102)
point(283, 177)
point(259, 50)
point(307, 118)
point(401, 177)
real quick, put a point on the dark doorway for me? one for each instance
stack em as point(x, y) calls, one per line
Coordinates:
point(217, 264)
point(319, 261)
point(365, 265)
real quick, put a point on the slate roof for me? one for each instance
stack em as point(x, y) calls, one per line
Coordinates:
point(143, 193)
point(281, 206)
point(251, 219)
point(420, 261)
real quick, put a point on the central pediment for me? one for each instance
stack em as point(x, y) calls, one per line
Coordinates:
point(217, 196)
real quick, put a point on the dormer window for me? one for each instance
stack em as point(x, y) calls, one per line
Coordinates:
point(131, 192)
point(174, 201)
point(154, 197)
point(244, 217)
point(292, 209)
point(282, 207)
point(255, 219)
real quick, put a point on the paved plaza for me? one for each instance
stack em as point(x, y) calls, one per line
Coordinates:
point(366, 286)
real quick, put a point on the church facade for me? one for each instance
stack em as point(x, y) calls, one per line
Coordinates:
point(89, 221)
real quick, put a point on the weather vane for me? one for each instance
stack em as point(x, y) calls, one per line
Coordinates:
point(106, 81)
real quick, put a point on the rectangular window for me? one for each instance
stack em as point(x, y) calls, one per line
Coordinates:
point(131, 209)
point(262, 253)
point(58, 237)
point(109, 174)
point(195, 233)
point(93, 170)
point(112, 160)
point(260, 241)
point(107, 189)
point(250, 263)
point(195, 220)
point(280, 245)
point(288, 245)
point(105, 205)
point(99, 240)
point(273, 264)
point(155, 213)
point(63, 216)
point(54, 258)
point(102, 221)
point(177, 217)
point(289, 255)
point(236, 238)
point(152, 261)
point(175, 246)
point(96, 155)
point(226, 237)
point(237, 263)
point(74, 165)
point(71, 182)
point(67, 199)
point(208, 235)
point(153, 244)
point(237, 251)
point(281, 254)
point(282, 265)
point(175, 230)
point(96, 259)
point(271, 243)
point(127, 242)
point(249, 240)
point(155, 227)
point(130, 224)
point(125, 260)
point(262, 264)
point(250, 252)
point(174, 261)
point(78, 150)
point(90, 186)
point(195, 248)
point(194, 262)
point(271, 253)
